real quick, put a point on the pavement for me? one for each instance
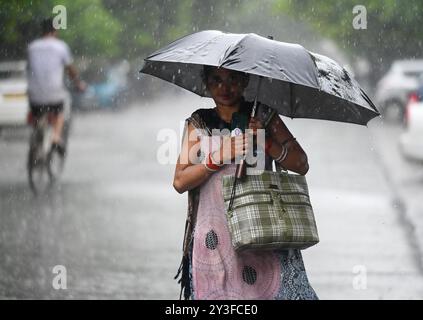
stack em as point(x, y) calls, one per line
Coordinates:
point(366, 249)
point(116, 224)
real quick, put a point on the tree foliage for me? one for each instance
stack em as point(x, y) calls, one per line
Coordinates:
point(91, 30)
point(134, 28)
point(394, 27)
point(109, 28)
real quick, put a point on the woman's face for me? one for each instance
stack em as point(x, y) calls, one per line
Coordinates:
point(226, 86)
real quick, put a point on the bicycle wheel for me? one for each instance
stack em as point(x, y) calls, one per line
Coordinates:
point(38, 157)
point(39, 180)
point(55, 164)
point(56, 160)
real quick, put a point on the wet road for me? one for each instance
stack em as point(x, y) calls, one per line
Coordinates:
point(115, 223)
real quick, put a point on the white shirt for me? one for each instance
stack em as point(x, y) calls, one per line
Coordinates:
point(47, 58)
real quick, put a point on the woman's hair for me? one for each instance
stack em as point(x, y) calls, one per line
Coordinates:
point(207, 70)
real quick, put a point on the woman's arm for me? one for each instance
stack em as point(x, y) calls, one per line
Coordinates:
point(296, 159)
point(189, 175)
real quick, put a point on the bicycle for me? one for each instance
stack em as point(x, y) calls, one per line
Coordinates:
point(45, 163)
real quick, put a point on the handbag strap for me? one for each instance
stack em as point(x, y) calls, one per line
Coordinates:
point(231, 201)
point(279, 167)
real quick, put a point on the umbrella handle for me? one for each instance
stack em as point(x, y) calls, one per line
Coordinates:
point(241, 167)
point(253, 111)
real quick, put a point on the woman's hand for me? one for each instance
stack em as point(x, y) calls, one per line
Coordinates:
point(232, 148)
point(238, 147)
point(255, 124)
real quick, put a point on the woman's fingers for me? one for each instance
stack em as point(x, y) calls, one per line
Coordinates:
point(255, 124)
point(242, 144)
point(239, 146)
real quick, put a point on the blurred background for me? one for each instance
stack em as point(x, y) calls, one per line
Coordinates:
point(114, 220)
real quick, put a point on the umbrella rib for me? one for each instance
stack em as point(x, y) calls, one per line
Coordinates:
point(226, 54)
point(291, 99)
point(366, 97)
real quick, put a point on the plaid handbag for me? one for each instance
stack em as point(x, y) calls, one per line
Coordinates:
point(271, 210)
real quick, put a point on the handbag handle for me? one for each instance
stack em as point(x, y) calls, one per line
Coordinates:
point(240, 173)
point(236, 178)
point(279, 167)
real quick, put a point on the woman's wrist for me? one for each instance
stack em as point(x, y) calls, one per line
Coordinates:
point(210, 164)
point(283, 154)
point(267, 145)
point(213, 158)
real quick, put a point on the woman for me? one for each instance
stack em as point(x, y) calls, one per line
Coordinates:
point(211, 269)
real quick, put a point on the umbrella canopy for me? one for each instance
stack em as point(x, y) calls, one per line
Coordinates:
point(294, 81)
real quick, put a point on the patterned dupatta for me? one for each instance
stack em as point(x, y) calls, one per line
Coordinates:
point(265, 114)
point(193, 200)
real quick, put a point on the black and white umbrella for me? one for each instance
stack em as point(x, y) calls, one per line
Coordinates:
point(295, 82)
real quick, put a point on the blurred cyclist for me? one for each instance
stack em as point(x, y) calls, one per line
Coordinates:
point(48, 58)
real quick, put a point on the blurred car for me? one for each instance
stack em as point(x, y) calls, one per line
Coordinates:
point(394, 88)
point(411, 140)
point(14, 103)
point(86, 100)
point(109, 92)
